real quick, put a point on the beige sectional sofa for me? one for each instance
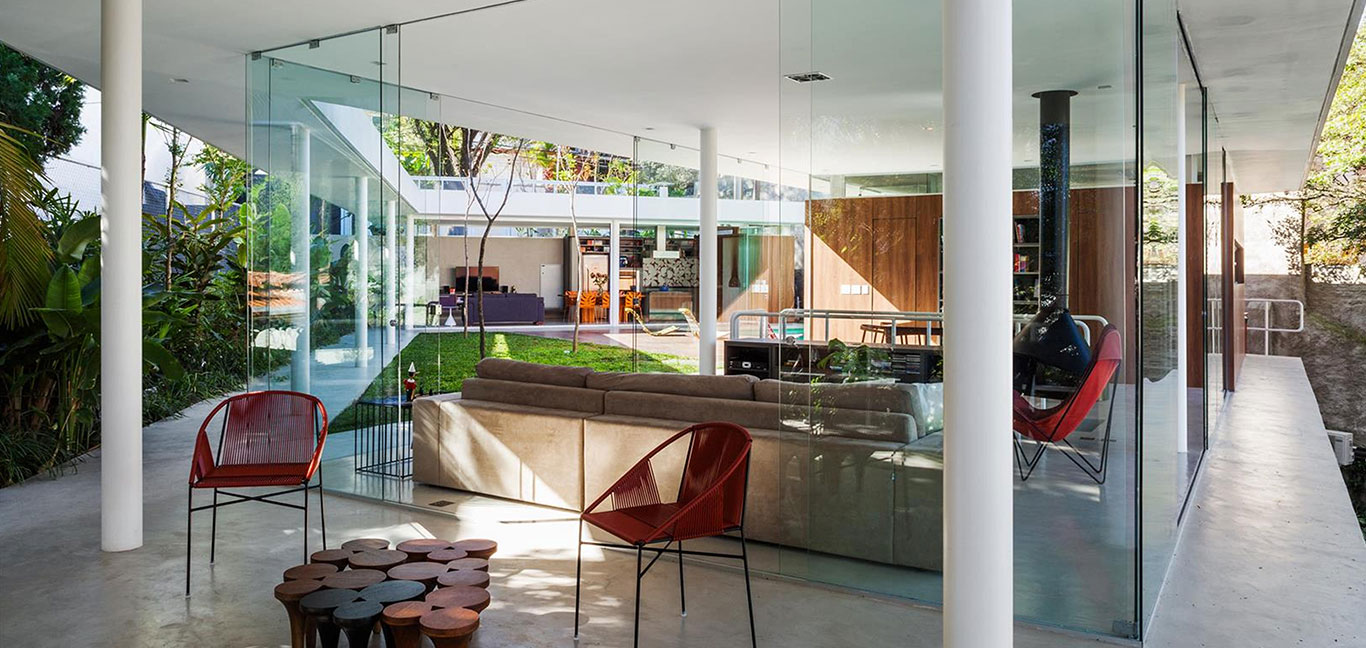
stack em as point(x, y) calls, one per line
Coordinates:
point(839, 469)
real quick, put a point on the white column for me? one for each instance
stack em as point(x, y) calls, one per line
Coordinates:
point(1182, 273)
point(390, 271)
point(661, 238)
point(362, 231)
point(978, 469)
point(121, 269)
point(300, 370)
point(409, 274)
point(709, 193)
point(614, 275)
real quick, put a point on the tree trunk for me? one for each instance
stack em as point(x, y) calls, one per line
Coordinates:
point(483, 239)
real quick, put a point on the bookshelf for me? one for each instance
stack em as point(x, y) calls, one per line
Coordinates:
point(1026, 277)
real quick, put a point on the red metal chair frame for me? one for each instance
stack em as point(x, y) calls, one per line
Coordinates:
point(711, 501)
point(255, 448)
point(1053, 426)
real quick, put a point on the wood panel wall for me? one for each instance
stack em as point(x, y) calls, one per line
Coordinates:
point(1195, 285)
point(1235, 291)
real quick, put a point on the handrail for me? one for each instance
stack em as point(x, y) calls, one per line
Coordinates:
point(537, 185)
point(1266, 328)
point(928, 319)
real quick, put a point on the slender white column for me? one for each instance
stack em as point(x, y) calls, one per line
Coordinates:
point(614, 275)
point(390, 271)
point(121, 269)
point(1182, 272)
point(709, 193)
point(300, 370)
point(661, 238)
point(978, 516)
point(409, 274)
point(362, 231)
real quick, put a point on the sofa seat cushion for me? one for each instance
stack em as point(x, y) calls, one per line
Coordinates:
point(530, 372)
point(872, 396)
point(691, 409)
point(548, 396)
point(732, 387)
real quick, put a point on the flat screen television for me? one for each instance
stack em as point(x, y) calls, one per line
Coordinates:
point(489, 285)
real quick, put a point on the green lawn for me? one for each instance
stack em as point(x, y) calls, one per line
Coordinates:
point(444, 360)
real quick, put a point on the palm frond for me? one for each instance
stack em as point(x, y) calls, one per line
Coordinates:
point(25, 255)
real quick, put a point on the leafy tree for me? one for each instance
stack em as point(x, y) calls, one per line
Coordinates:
point(1335, 192)
point(42, 101)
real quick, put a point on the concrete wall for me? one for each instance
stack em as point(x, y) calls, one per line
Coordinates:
point(518, 260)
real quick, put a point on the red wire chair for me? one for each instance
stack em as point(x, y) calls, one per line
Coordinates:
point(268, 438)
point(710, 502)
point(1053, 426)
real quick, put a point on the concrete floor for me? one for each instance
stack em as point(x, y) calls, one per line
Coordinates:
point(58, 589)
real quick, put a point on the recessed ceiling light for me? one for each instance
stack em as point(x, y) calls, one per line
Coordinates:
point(649, 128)
point(179, 80)
point(808, 77)
point(1104, 87)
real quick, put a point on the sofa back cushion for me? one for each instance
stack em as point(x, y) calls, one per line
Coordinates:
point(875, 397)
point(928, 405)
point(530, 372)
point(691, 409)
point(731, 387)
point(575, 399)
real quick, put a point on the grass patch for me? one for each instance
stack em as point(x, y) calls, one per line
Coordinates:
point(445, 360)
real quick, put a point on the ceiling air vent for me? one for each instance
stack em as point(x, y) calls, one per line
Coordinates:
point(808, 77)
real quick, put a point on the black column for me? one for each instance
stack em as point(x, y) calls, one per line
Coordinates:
point(1054, 182)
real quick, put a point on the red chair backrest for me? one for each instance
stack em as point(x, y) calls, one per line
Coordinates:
point(271, 427)
point(713, 454)
point(1059, 421)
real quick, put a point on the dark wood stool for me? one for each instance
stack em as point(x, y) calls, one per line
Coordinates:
point(446, 555)
point(464, 577)
point(357, 619)
point(474, 599)
point(300, 625)
point(311, 571)
point(320, 605)
point(381, 559)
point(353, 579)
point(366, 544)
point(394, 591)
point(478, 547)
point(401, 629)
point(417, 550)
point(449, 627)
point(336, 557)
point(422, 572)
point(469, 564)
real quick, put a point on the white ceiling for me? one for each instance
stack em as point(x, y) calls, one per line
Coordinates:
point(592, 72)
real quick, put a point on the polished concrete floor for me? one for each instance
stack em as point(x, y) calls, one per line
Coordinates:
point(58, 589)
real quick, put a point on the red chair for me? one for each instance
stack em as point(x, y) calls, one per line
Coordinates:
point(710, 502)
point(268, 438)
point(1053, 426)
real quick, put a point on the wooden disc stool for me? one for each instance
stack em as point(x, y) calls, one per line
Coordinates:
point(357, 619)
point(366, 544)
point(394, 591)
point(469, 564)
point(446, 555)
point(417, 550)
point(400, 623)
point(381, 559)
point(320, 605)
point(478, 547)
point(422, 572)
point(353, 579)
point(449, 627)
point(311, 571)
point(338, 557)
point(474, 599)
point(464, 577)
point(300, 625)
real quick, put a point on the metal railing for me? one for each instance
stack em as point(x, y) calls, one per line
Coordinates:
point(910, 321)
point(1267, 328)
point(537, 185)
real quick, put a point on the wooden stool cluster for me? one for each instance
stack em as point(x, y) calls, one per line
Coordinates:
point(425, 587)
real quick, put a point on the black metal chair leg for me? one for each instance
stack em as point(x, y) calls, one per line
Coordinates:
point(682, 593)
point(749, 597)
point(213, 533)
point(578, 578)
point(635, 642)
point(189, 519)
point(306, 554)
point(322, 513)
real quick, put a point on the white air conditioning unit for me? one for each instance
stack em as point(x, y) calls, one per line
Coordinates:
point(1342, 446)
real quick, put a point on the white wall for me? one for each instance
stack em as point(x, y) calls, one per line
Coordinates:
point(518, 260)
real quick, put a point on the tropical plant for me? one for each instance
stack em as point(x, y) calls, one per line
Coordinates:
point(853, 363)
point(24, 252)
point(42, 102)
